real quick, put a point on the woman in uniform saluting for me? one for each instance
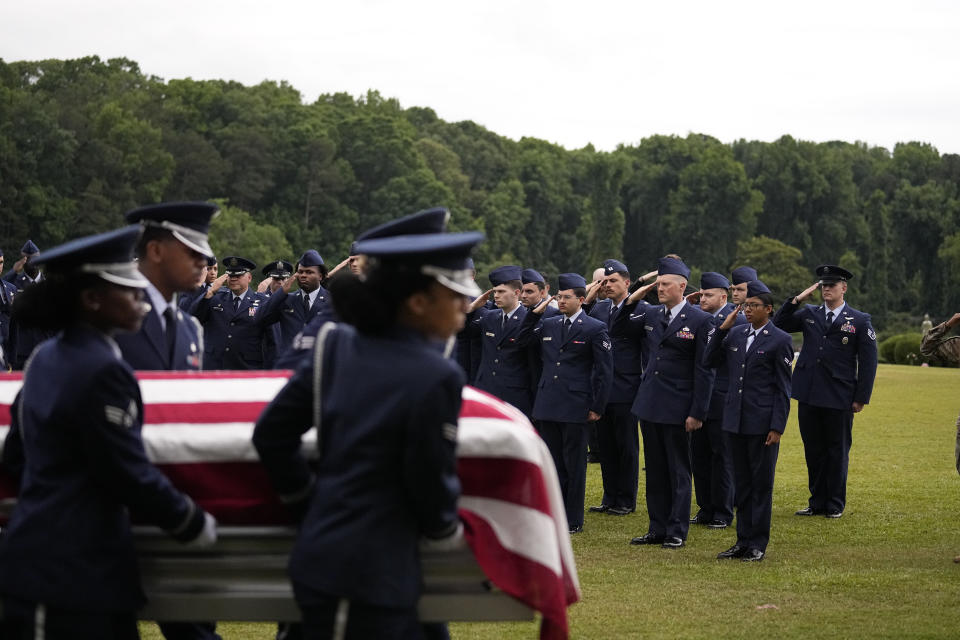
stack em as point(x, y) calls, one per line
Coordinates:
point(67, 562)
point(385, 403)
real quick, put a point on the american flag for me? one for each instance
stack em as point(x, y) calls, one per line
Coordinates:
point(511, 505)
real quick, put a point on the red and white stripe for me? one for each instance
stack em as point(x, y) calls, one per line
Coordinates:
point(198, 428)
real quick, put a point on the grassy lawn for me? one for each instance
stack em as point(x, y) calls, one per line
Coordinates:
point(884, 570)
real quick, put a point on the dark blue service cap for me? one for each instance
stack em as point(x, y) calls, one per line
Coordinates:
point(211, 260)
point(29, 249)
point(353, 248)
point(108, 255)
point(570, 281)
point(743, 274)
point(529, 276)
point(470, 264)
point(188, 221)
point(310, 258)
point(830, 273)
point(426, 221)
point(237, 266)
point(504, 274)
point(442, 256)
point(612, 266)
point(672, 266)
point(755, 288)
point(713, 280)
point(278, 269)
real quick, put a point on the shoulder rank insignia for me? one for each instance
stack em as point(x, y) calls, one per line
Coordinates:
point(121, 417)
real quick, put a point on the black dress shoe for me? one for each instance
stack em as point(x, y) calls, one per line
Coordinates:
point(602, 508)
point(672, 542)
point(717, 524)
point(648, 538)
point(736, 551)
point(576, 529)
point(699, 518)
point(752, 555)
point(809, 511)
point(617, 511)
point(833, 514)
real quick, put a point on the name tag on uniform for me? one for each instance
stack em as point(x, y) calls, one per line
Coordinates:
point(648, 327)
point(218, 308)
point(547, 338)
point(810, 320)
point(733, 348)
point(492, 335)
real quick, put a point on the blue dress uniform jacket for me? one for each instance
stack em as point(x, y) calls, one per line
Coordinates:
point(676, 383)
point(7, 293)
point(387, 469)
point(627, 356)
point(722, 380)
point(146, 350)
point(290, 315)
point(504, 369)
point(75, 442)
point(20, 340)
point(837, 364)
point(235, 339)
point(758, 400)
point(577, 372)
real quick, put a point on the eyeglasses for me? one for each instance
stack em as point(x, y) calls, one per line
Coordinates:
point(753, 305)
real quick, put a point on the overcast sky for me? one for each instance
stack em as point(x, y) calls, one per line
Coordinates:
point(570, 72)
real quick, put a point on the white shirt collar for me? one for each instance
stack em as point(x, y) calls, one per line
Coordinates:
point(675, 311)
point(512, 311)
point(574, 317)
point(313, 295)
point(836, 312)
point(158, 303)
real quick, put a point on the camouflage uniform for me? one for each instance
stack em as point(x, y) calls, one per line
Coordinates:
point(945, 351)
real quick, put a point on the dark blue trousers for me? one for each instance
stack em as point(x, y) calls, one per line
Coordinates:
point(619, 456)
point(21, 620)
point(567, 442)
point(712, 471)
point(754, 464)
point(827, 435)
point(666, 456)
point(189, 630)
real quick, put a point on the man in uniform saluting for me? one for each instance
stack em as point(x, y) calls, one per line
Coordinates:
point(832, 381)
point(574, 386)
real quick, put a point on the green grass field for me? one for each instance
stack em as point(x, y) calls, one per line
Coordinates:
point(884, 570)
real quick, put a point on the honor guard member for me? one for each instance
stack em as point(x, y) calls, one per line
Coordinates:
point(386, 433)
point(709, 448)
point(574, 386)
point(172, 253)
point(757, 358)
point(293, 310)
point(186, 300)
point(69, 565)
point(617, 432)
point(672, 400)
point(273, 276)
point(833, 380)
point(504, 369)
point(533, 292)
point(21, 341)
point(465, 349)
point(739, 278)
point(234, 319)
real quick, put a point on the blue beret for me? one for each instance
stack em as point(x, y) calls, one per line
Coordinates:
point(188, 221)
point(426, 221)
point(743, 274)
point(571, 281)
point(280, 268)
point(713, 280)
point(612, 266)
point(530, 276)
point(310, 258)
point(238, 266)
point(755, 288)
point(29, 249)
point(832, 273)
point(108, 255)
point(440, 255)
point(672, 266)
point(504, 274)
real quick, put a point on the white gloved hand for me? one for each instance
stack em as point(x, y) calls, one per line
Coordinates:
point(208, 535)
point(452, 542)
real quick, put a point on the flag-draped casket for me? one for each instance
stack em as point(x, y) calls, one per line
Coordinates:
point(197, 429)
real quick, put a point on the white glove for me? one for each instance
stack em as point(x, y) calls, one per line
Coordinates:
point(453, 542)
point(208, 535)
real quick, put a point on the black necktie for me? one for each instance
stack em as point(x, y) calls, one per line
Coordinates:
point(236, 303)
point(306, 302)
point(170, 333)
point(829, 318)
point(667, 318)
point(503, 320)
point(750, 339)
point(563, 332)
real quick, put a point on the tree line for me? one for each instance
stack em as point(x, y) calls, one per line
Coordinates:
point(83, 140)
